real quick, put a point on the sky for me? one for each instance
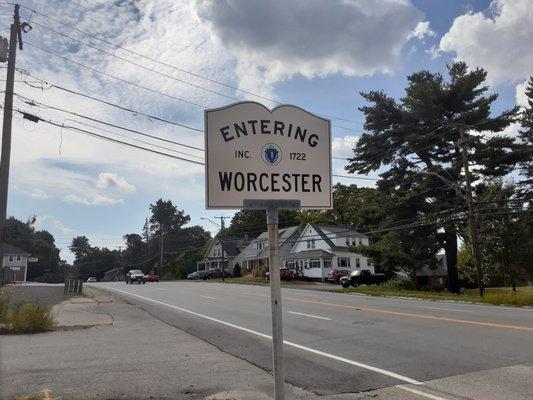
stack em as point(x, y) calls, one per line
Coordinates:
point(173, 59)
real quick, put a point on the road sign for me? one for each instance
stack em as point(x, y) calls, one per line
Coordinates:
point(33, 259)
point(253, 153)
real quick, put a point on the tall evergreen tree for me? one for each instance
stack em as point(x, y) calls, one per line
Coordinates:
point(421, 134)
point(526, 136)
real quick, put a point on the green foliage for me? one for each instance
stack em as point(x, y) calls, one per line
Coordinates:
point(419, 133)
point(166, 216)
point(31, 318)
point(253, 222)
point(526, 137)
point(40, 244)
point(4, 308)
point(237, 271)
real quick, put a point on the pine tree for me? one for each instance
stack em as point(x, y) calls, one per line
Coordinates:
point(421, 133)
point(526, 136)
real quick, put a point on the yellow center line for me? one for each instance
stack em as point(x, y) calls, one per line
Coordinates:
point(390, 312)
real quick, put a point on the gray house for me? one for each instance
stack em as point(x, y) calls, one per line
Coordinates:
point(14, 264)
point(254, 257)
point(212, 259)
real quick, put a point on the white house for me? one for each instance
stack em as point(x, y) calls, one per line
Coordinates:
point(14, 264)
point(321, 248)
point(254, 258)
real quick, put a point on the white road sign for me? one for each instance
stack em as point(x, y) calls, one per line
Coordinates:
point(253, 153)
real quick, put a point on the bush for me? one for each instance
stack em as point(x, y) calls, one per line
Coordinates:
point(237, 271)
point(395, 284)
point(4, 307)
point(32, 317)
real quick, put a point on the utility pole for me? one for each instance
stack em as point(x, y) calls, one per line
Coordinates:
point(471, 215)
point(8, 116)
point(221, 240)
point(161, 254)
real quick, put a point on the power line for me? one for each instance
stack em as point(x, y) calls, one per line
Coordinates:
point(89, 133)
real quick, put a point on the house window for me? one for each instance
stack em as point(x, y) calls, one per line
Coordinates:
point(10, 258)
point(354, 242)
point(18, 258)
point(343, 262)
point(310, 243)
point(314, 264)
point(357, 263)
point(347, 241)
point(327, 263)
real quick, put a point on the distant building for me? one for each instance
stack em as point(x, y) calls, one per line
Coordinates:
point(434, 278)
point(321, 248)
point(212, 259)
point(14, 264)
point(254, 257)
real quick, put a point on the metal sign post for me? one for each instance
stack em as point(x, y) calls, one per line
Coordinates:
point(262, 159)
point(272, 207)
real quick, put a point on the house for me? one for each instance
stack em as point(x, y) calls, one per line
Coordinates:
point(435, 278)
point(254, 257)
point(15, 264)
point(212, 259)
point(320, 248)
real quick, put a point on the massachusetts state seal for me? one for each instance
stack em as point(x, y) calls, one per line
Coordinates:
point(271, 154)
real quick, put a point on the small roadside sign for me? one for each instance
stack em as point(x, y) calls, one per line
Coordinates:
point(33, 259)
point(253, 153)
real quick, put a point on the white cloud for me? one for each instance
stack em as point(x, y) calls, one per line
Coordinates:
point(343, 147)
point(275, 40)
point(434, 52)
point(421, 31)
point(500, 42)
point(39, 194)
point(109, 180)
point(51, 223)
point(520, 94)
point(97, 200)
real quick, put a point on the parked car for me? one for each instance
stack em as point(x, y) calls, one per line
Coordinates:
point(205, 274)
point(285, 274)
point(335, 275)
point(194, 275)
point(151, 278)
point(92, 279)
point(363, 277)
point(135, 275)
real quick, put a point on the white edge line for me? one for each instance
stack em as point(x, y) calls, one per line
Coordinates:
point(309, 315)
point(420, 393)
point(291, 344)
point(208, 297)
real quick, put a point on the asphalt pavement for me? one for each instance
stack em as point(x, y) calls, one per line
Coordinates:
point(337, 343)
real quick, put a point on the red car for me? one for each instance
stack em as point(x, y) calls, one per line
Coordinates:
point(285, 274)
point(151, 278)
point(335, 275)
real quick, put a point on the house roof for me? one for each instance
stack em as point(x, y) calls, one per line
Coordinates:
point(337, 231)
point(10, 250)
point(252, 252)
point(315, 253)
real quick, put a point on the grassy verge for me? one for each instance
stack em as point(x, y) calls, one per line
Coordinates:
point(498, 296)
point(25, 318)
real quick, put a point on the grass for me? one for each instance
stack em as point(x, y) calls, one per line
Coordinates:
point(25, 318)
point(498, 296)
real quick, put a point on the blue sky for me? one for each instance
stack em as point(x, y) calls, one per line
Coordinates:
point(316, 54)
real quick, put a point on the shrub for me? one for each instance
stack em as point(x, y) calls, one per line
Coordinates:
point(32, 317)
point(4, 307)
point(237, 271)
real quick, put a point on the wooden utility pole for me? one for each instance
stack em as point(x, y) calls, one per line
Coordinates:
point(471, 216)
point(6, 129)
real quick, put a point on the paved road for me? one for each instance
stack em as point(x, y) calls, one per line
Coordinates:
point(338, 343)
